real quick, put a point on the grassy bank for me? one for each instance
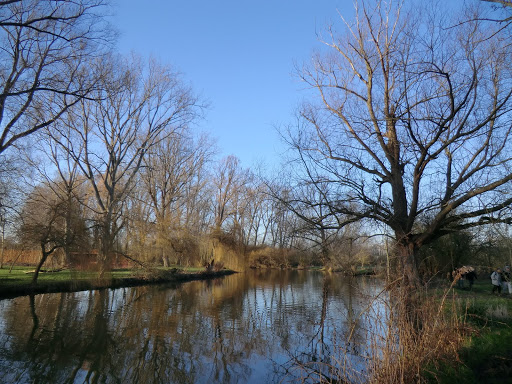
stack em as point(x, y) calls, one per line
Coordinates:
point(451, 335)
point(18, 281)
point(486, 352)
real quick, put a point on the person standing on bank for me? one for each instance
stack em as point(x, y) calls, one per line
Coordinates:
point(496, 281)
point(470, 277)
point(507, 284)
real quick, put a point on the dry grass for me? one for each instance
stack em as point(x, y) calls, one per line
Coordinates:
point(415, 338)
point(405, 335)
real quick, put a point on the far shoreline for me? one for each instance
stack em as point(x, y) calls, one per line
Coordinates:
point(20, 285)
point(10, 291)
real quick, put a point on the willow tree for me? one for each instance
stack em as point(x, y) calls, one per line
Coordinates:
point(171, 182)
point(411, 123)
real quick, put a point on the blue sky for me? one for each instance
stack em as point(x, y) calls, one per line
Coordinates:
point(239, 55)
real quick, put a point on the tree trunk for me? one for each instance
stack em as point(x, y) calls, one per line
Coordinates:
point(407, 253)
point(408, 292)
point(68, 234)
point(165, 259)
point(107, 245)
point(2, 247)
point(44, 256)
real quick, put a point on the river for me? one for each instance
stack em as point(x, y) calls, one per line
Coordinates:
point(254, 327)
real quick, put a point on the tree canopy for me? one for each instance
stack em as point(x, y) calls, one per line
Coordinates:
point(47, 47)
point(411, 123)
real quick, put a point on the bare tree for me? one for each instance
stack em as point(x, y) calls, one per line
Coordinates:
point(168, 175)
point(501, 14)
point(413, 121)
point(11, 171)
point(250, 217)
point(198, 196)
point(283, 221)
point(138, 106)
point(139, 225)
point(502, 3)
point(46, 50)
point(229, 179)
point(59, 172)
point(4, 217)
point(44, 223)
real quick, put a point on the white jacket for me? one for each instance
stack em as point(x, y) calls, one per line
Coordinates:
point(496, 278)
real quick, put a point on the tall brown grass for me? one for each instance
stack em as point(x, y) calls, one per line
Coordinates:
point(403, 341)
point(413, 344)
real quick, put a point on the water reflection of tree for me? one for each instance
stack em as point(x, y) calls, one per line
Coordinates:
point(200, 332)
point(339, 346)
point(111, 336)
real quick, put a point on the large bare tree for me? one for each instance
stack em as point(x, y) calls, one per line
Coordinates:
point(412, 121)
point(138, 106)
point(47, 46)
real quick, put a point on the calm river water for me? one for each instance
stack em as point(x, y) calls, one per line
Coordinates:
point(254, 327)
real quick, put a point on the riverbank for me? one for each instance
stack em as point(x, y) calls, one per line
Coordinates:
point(486, 352)
point(18, 281)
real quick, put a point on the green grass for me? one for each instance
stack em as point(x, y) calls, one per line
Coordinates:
point(485, 358)
point(20, 275)
point(18, 282)
point(480, 301)
point(486, 354)
point(183, 269)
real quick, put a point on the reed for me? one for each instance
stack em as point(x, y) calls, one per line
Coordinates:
point(408, 348)
point(405, 341)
